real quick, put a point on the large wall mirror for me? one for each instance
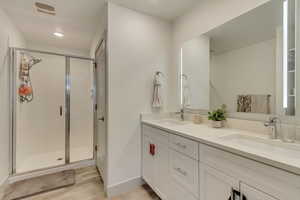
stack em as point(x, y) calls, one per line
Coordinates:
point(248, 64)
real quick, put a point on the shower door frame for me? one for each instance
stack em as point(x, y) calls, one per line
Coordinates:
point(13, 104)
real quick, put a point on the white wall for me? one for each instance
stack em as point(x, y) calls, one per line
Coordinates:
point(138, 45)
point(195, 65)
point(9, 36)
point(249, 70)
point(207, 15)
point(101, 28)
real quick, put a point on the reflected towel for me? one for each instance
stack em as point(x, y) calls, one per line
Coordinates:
point(254, 104)
point(186, 93)
point(244, 103)
point(260, 104)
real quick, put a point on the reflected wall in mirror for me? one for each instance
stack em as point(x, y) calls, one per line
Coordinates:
point(241, 64)
point(195, 73)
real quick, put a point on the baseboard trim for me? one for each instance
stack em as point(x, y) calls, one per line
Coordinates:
point(3, 182)
point(123, 187)
point(80, 164)
point(3, 185)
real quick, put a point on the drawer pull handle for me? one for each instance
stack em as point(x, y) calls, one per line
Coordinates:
point(235, 195)
point(60, 110)
point(181, 171)
point(181, 145)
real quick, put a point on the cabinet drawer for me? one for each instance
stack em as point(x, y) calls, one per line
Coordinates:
point(185, 172)
point(185, 146)
point(155, 133)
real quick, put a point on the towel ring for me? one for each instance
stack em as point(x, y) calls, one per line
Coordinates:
point(184, 76)
point(159, 73)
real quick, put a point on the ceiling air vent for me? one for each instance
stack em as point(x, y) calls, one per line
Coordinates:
point(45, 8)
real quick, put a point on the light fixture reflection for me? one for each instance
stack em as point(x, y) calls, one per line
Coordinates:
point(58, 34)
point(285, 52)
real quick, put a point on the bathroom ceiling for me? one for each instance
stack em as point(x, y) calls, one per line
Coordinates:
point(166, 9)
point(78, 19)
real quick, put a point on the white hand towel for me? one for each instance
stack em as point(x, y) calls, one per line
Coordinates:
point(157, 92)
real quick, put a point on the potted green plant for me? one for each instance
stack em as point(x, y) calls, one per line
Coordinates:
point(217, 117)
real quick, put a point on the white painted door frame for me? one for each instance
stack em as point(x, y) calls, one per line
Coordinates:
point(101, 76)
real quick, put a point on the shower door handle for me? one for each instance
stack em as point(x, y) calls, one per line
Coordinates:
point(60, 110)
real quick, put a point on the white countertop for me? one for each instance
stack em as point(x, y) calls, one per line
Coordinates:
point(275, 153)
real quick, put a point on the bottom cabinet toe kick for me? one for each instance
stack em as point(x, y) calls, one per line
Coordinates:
point(178, 168)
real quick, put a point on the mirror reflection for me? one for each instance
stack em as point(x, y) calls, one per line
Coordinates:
point(248, 64)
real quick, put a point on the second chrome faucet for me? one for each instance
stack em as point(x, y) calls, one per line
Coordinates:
point(272, 123)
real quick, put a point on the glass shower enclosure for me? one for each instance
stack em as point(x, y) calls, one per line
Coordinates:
point(52, 111)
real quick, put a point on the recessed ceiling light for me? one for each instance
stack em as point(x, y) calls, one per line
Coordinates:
point(58, 34)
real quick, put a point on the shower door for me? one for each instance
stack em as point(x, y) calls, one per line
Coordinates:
point(81, 110)
point(40, 123)
point(53, 110)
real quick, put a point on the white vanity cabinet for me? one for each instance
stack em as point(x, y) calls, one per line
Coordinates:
point(156, 160)
point(172, 167)
point(181, 168)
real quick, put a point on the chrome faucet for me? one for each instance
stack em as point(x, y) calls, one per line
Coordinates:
point(181, 112)
point(272, 123)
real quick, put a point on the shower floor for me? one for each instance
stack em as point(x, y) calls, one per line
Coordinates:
point(51, 159)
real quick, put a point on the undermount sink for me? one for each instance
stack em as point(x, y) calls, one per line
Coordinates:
point(173, 122)
point(263, 145)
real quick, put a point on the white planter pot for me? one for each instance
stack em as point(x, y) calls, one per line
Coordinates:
point(217, 124)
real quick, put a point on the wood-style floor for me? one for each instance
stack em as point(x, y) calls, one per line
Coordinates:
point(89, 187)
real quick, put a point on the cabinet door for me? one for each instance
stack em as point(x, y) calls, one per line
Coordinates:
point(250, 193)
point(148, 161)
point(215, 185)
point(177, 192)
point(162, 169)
